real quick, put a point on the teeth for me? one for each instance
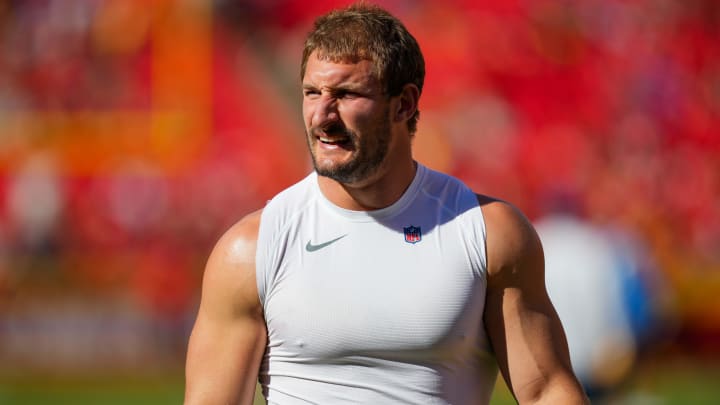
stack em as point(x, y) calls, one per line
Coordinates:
point(330, 140)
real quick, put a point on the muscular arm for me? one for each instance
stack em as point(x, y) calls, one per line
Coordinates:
point(229, 336)
point(524, 329)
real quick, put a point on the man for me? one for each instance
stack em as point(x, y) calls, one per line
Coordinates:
point(375, 280)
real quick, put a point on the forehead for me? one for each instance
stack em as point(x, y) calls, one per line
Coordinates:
point(327, 72)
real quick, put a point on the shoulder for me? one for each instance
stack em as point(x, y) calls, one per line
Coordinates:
point(513, 245)
point(294, 194)
point(240, 239)
point(288, 203)
point(452, 192)
point(229, 278)
point(439, 181)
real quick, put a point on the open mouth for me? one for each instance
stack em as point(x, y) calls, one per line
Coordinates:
point(334, 140)
point(333, 137)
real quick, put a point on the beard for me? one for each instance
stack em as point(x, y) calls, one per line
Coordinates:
point(368, 152)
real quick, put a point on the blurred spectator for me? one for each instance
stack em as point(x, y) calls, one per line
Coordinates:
point(605, 296)
point(35, 203)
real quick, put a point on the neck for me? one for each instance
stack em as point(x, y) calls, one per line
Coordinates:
point(380, 191)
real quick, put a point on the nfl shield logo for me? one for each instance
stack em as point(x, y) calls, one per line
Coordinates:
point(412, 234)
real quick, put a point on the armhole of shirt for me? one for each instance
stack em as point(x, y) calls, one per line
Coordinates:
point(479, 232)
point(261, 257)
point(483, 236)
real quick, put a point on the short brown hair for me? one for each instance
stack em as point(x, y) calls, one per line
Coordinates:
point(367, 32)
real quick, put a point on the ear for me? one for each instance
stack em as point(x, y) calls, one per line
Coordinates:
point(407, 103)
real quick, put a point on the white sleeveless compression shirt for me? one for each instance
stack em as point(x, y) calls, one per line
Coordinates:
point(378, 307)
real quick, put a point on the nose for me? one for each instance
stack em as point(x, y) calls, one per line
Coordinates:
point(325, 112)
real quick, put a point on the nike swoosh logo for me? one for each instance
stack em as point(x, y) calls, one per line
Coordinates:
point(311, 248)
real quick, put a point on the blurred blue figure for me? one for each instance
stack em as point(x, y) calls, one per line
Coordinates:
point(598, 282)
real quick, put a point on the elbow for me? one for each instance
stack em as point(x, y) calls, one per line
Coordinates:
point(559, 390)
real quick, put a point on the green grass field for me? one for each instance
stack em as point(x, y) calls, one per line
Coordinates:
point(657, 385)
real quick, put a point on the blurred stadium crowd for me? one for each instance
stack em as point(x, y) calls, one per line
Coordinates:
point(133, 133)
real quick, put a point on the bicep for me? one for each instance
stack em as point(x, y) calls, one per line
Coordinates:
point(228, 338)
point(522, 324)
point(527, 338)
point(223, 360)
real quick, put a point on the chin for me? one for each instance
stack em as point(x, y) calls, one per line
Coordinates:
point(336, 162)
point(328, 165)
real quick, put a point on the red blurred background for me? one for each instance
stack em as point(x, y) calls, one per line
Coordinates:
point(133, 133)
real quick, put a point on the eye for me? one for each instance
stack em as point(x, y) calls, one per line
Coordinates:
point(310, 93)
point(346, 94)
